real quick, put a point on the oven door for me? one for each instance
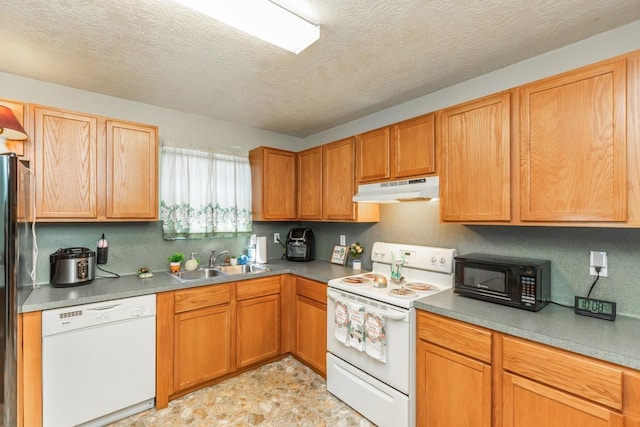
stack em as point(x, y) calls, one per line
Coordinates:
point(396, 371)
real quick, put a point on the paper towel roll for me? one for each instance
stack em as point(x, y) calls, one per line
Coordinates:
point(261, 250)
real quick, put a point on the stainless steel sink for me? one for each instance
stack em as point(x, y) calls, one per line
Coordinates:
point(221, 270)
point(201, 273)
point(242, 269)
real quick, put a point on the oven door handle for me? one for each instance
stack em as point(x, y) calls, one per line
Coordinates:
point(391, 316)
point(394, 316)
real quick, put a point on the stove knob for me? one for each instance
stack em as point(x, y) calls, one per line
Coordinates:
point(434, 259)
point(443, 260)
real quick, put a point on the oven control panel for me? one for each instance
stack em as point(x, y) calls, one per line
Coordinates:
point(421, 257)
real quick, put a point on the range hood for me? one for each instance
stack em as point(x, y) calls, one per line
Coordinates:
point(398, 191)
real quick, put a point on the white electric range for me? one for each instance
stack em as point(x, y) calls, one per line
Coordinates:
point(378, 380)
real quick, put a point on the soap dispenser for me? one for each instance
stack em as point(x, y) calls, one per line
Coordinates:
point(192, 262)
point(251, 251)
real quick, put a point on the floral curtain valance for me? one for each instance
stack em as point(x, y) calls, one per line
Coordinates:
point(204, 194)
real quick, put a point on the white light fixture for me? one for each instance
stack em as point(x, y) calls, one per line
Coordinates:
point(10, 128)
point(263, 19)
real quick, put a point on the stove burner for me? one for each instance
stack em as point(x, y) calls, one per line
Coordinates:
point(355, 280)
point(402, 293)
point(422, 287)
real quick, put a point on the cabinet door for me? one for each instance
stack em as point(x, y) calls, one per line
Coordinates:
point(273, 183)
point(258, 328)
point(132, 176)
point(202, 345)
point(311, 323)
point(414, 147)
point(452, 390)
point(66, 164)
point(530, 404)
point(310, 184)
point(338, 180)
point(573, 146)
point(373, 151)
point(19, 109)
point(475, 175)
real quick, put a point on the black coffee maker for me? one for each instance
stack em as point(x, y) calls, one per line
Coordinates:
point(299, 246)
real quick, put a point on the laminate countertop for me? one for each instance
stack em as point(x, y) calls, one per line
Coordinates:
point(612, 341)
point(104, 289)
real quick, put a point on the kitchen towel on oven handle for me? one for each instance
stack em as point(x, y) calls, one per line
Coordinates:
point(341, 320)
point(356, 325)
point(375, 334)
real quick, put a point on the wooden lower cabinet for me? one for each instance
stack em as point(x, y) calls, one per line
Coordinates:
point(202, 345)
point(30, 369)
point(208, 333)
point(462, 379)
point(311, 324)
point(453, 360)
point(467, 375)
point(258, 326)
point(527, 403)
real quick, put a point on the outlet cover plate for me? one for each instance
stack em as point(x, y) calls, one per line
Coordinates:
point(598, 259)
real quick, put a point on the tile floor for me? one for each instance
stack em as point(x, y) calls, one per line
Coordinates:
point(282, 393)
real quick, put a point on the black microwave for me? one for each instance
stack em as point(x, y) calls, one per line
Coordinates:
point(516, 282)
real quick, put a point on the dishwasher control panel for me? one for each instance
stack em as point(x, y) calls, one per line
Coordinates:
point(59, 320)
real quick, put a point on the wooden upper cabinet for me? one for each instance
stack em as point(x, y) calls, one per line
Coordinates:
point(310, 184)
point(65, 164)
point(475, 174)
point(326, 185)
point(273, 184)
point(373, 155)
point(403, 150)
point(132, 175)
point(573, 146)
point(339, 180)
point(81, 175)
point(414, 147)
point(21, 112)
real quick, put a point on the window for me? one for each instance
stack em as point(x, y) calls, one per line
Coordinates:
point(204, 193)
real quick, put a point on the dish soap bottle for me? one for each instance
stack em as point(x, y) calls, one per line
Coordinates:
point(192, 262)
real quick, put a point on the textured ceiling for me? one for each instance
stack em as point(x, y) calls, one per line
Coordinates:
point(372, 54)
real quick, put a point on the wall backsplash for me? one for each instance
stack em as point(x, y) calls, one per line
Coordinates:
point(134, 245)
point(567, 248)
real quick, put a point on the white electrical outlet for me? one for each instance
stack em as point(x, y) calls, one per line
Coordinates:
point(276, 237)
point(343, 240)
point(598, 259)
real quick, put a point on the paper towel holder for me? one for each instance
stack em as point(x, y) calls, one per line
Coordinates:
point(261, 250)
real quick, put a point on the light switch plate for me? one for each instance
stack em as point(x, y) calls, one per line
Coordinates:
point(343, 240)
point(276, 237)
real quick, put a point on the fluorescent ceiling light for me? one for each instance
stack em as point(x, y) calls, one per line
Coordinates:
point(263, 19)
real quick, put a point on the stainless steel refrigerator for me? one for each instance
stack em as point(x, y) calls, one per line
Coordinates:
point(16, 265)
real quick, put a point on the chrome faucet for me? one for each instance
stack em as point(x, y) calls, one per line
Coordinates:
point(214, 257)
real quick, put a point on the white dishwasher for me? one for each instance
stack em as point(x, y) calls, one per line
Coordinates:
point(98, 361)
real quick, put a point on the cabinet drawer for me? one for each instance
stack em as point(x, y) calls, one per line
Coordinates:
point(206, 296)
point(313, 290)
point(258, 287)
point(463, 338)
point(575, 374)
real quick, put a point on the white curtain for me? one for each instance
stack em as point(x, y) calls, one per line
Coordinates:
point(204, 193)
